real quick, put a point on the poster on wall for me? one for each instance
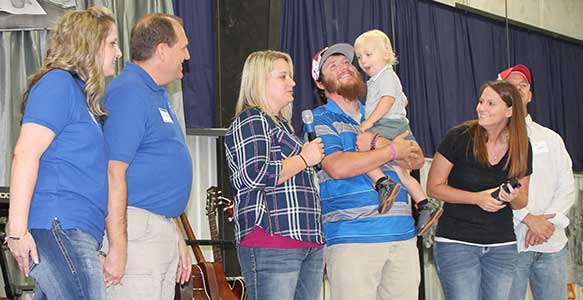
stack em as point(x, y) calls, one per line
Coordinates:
point(21, 7)
point(18, 15)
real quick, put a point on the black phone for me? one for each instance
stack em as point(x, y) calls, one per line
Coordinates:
point(513, 182)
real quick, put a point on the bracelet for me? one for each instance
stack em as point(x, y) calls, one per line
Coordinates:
point(14, 238)
point(393, 151)
point(305, 162)
point(373, 142)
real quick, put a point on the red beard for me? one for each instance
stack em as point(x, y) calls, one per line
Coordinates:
point(353, 90)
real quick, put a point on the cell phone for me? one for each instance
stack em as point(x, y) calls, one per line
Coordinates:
point(513, 182)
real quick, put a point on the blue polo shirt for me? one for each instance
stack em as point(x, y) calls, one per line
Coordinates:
point(142, 130)
point(72, 177)
point(349, 206)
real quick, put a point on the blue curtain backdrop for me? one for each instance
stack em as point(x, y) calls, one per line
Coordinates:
point(198, 84)
point(445, 55)
point(302, 35)
point(557, 85)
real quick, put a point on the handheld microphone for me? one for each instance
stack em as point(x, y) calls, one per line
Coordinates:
point(512, 182)
point(310, 129)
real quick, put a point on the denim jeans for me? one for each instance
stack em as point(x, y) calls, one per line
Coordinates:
point(68, 267)
point(473, 272)
point(282, 274)
point(547, 273)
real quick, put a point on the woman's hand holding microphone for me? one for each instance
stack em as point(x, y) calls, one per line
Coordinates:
point(312, 152)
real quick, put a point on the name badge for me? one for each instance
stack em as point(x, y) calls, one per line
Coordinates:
point(540, 147)
point(165, 115)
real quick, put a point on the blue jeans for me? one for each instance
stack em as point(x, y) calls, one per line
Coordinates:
point(282, 274)
point(68, 267)
point(547, 273)
point(473, 272)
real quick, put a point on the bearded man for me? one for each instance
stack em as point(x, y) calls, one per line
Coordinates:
point(367, 255)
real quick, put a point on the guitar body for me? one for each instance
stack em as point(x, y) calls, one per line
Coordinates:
point(215, 275)
point(193, 289)
point(238, 288)
point(208, 279)
point(198, 284)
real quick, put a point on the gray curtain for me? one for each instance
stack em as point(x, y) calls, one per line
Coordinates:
point(21, 54)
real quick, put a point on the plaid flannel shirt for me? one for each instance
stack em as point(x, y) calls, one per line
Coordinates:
point(255, 148)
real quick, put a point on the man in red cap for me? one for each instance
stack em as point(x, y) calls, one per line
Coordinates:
point(540, 227)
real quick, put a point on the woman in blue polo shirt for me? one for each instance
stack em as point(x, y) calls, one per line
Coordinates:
point(59, 169)
point(277, 224)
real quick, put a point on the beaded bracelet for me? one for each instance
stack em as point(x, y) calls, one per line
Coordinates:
point(373, 142)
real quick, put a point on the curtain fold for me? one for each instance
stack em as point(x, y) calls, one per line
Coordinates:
point(199, 76)
point(21, 54)
point(445, 55)
point(302, 34)
point(557, 94)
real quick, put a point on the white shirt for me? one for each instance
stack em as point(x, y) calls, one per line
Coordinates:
point(551, 188)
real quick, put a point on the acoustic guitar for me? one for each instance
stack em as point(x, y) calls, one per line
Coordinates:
point(214, 201)
point(208, 279)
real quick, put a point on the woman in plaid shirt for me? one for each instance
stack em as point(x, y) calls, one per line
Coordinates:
point(277, 207)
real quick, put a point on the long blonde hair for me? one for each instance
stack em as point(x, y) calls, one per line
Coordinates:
point(74, 46)
point(252, 92)
point(516, 164)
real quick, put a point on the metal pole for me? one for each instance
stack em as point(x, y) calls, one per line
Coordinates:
point(507, 34)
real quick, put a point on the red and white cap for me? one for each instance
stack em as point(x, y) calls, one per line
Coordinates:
point(322, 55)
point(522, 69)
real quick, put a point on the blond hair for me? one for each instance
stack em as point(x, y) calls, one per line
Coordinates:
point(74, 46)
point(257, 67)
point(380, 39)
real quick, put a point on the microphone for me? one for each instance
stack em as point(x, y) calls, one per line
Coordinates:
point(310, 129)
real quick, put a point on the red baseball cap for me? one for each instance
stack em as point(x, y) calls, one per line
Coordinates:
point(522, 69)
point(322, 55)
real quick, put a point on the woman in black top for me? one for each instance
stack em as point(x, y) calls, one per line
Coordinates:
point(475, 249)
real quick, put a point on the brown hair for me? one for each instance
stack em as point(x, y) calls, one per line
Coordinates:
point(516, 163)
point(151, 30)
point(74, 46)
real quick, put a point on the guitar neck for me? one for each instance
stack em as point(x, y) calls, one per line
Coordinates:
point(217, 254)
point(190, 235)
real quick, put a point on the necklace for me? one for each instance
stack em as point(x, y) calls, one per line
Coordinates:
point(495, 155)
point(499, 153)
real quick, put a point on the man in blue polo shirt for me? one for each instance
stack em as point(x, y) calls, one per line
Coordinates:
point(368, 255)
point(150, 170)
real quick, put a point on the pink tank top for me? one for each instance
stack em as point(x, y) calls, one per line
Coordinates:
point(259, 238)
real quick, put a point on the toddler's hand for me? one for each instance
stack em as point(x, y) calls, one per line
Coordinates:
point(366, 125)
